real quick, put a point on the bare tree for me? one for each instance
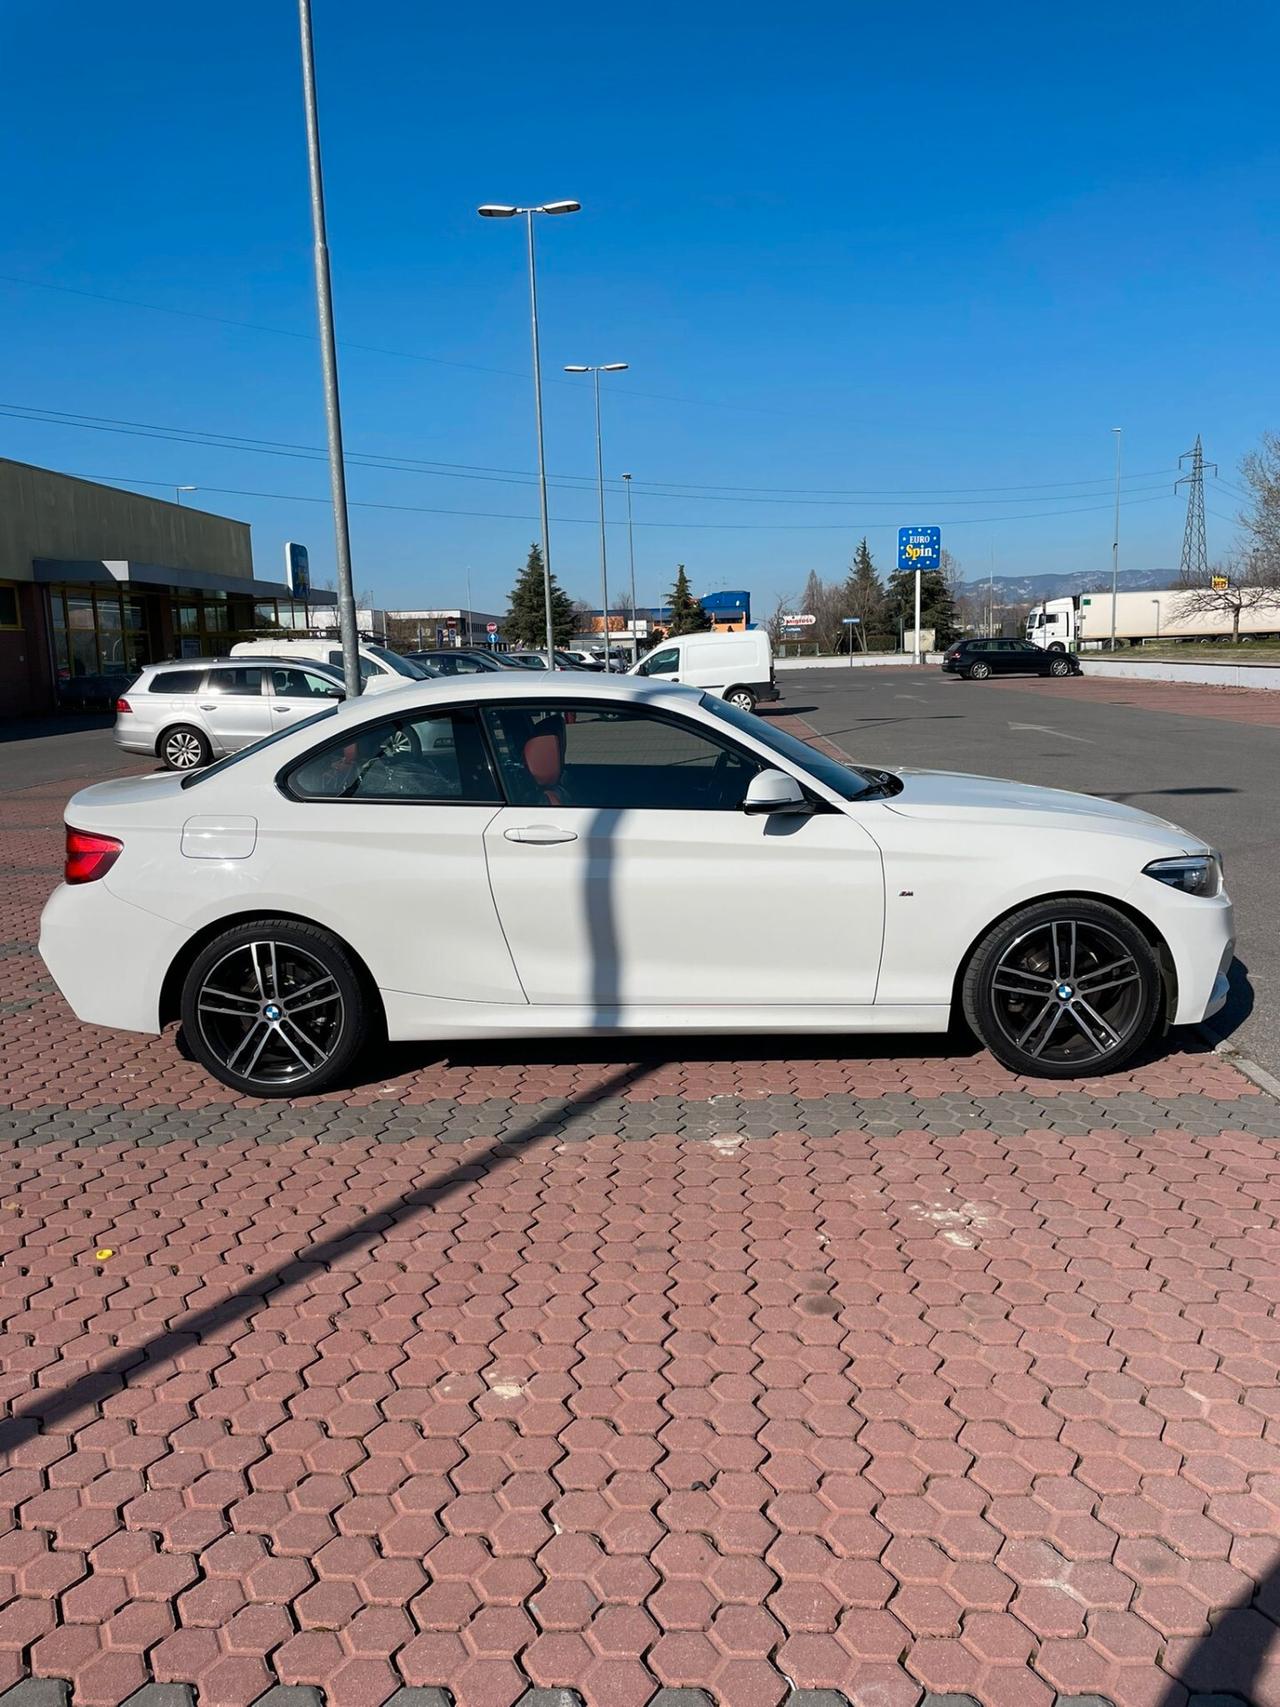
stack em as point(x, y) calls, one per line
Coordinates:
point(1261, 521)
point(1249, 584)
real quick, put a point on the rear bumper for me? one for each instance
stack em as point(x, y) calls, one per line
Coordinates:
point(108, 958)
point(769, 693)
point(134, 741)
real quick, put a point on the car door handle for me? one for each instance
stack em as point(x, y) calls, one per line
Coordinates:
point(208, 708)
point(281, 710)
point(542, 834)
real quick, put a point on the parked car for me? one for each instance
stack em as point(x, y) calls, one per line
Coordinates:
point(538, 661)
point(587, 661)
point(380, 667)
point(191, 712)
point(738, 667)
point(458, 661)
point(546, 856)
point(978, 659)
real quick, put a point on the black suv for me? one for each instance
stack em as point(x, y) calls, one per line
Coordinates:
point(979, 659)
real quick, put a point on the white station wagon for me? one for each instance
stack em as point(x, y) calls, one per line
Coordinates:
point(510, 854)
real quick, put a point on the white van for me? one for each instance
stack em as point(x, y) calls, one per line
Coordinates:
point(379, 667)
point(738, 667)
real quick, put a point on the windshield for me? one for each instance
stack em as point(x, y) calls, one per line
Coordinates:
point(851, 782)
point(401, 666)
point(198, 777)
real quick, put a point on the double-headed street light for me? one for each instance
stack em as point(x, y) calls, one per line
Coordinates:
point(595, 372)
point(499, 210)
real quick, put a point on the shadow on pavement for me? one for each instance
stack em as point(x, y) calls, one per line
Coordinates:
point(1227, 1665)
point(39, 728)
point(48, 1409)
point(1240, 1002)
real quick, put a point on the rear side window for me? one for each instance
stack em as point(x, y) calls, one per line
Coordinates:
point(176, 681)
point(239, 683)
point(436, 758)
point(658, 662)
point(366, 668)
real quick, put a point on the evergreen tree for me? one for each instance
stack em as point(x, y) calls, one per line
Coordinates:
point(687, 615)
point(864, 597)
point(526, 619)
point(937, 607)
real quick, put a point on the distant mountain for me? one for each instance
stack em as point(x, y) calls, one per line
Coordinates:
point(1031, 589)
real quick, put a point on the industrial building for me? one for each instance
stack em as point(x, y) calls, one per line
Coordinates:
point(96, 581)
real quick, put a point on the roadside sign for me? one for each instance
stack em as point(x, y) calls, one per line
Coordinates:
point(848, 620)
point(491, 628)
point(802, 619)
point(297, 568)
point(1219, 583)
point(920, 548)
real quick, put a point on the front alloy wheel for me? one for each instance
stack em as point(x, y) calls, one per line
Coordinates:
point(1059, 667)
point(274, 1008)
point(1063, 988)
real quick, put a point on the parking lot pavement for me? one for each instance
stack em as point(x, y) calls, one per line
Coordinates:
point(711, 1375)
point(1208, 758)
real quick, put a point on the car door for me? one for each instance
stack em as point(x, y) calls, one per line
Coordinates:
point(235, 705)
point(627, 876)
point(387, 823)
point(296, 692)
point(664, 664)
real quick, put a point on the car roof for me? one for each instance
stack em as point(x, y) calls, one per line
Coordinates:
point(507, 685)
point(238, 660)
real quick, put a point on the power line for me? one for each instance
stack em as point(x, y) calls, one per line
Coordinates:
point(588, 521)
point(211, 439)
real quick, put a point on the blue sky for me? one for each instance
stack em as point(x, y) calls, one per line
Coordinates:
point(870, 265)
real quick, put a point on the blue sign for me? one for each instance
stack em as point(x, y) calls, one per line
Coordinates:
point(297, 569)
point(919, 548)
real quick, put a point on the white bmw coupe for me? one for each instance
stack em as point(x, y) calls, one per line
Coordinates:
point(508, 855)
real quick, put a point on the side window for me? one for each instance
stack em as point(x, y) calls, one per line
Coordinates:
point(615, 760)
point(238, 683)
point(177, 681)
point(659, 663)
point(367, 666)
point(291, 683)
point(437, 757)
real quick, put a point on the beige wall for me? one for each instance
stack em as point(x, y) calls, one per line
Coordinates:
point(43, 514)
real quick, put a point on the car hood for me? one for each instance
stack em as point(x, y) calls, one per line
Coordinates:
point(950, 795)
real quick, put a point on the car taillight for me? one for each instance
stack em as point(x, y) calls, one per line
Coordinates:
point(89, 857)
point(122, 704)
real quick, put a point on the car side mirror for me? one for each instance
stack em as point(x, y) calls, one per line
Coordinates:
point(334, 693)
point(775, 791)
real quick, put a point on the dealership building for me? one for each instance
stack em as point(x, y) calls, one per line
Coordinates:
point(96, 581)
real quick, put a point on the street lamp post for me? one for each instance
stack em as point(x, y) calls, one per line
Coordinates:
point(631, 550)
point(329, 366)
point(595, 372)
point(179, 490)
point(499, 210)
point(1156, 603)
point(1115, 539)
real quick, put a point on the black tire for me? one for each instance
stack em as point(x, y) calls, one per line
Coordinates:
point(235, 1005)
point(1013, 993)
point(1060, 667)
point(978, 672)
point(184, 748)
point(743, 698)
point(1056, 646)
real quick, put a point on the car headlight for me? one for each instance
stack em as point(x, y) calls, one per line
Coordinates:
point(1194, 874)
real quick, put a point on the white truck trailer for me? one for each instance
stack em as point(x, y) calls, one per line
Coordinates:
point(1084, 619)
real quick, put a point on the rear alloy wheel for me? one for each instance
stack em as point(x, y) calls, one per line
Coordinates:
point(1060, 667)
point(978, 672)
point(743, 698)
point(185, 748)
point(1063, 988)
point(275, 1008)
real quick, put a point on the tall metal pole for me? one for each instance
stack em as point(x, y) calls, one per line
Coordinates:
point(468, 628)
point(631, 549)
point(1115, 538)
point(329, 364)
point(542, 461)
point(604, 562)
point(915, 644)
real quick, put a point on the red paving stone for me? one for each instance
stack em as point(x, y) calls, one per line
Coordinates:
point(1257, 706)
point(877, 1411)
